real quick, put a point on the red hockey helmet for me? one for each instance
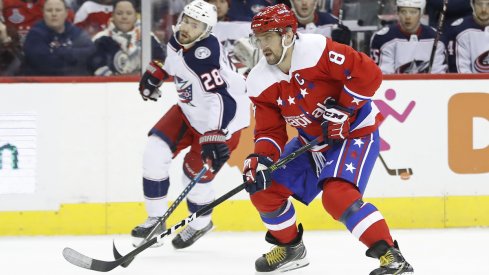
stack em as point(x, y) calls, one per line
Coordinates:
point(274, 18)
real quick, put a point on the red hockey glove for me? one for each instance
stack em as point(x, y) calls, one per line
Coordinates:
point(214, 149)
point(256, 173)
point(151, 81)
point(336, 125)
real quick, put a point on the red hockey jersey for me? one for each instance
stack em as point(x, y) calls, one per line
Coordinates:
point(320, 69)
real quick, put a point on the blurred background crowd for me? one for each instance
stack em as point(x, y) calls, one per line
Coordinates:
point(104, 37)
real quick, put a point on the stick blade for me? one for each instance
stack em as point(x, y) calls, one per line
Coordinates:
point(118, 255)
point(76, 258)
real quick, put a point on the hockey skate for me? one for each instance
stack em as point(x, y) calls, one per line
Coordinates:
point(283, 257)
point(188, 236)
point(391, 259)
point(141, 231)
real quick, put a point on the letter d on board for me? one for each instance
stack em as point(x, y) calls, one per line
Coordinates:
point(462, 109)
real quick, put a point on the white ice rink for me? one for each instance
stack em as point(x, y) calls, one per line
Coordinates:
point(433, 252)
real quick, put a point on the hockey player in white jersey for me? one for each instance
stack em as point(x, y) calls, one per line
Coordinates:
point(405, 47)
point(211, 111)
point(467, 41)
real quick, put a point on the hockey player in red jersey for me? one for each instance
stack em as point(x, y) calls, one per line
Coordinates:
point(323, 89)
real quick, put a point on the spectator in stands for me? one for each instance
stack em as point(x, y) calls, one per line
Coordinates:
point(455, 9)
point(406, 46)
point(56, 47)
point(313, 21)
point(10, 50)
point(119, 46)
point(222, 8)
point(93, 16)
point(467, 41)
point(23, 14)
point(244, 10)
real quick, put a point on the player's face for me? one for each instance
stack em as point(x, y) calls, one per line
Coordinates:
point(190, 30)
point(124, 16)
point(304, 7)
point(222, 7)
point(481, 9)
point(409, 19)
point(54, 14)
point(270, 43)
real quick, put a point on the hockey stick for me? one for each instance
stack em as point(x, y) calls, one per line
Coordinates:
point(78, 259)
point(167, 214)
point(405, 173)
point(438, 34)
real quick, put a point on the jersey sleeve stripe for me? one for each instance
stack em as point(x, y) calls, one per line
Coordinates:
point(354, 94)
point(271, 141)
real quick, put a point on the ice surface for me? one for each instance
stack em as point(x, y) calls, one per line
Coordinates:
point(433, 252)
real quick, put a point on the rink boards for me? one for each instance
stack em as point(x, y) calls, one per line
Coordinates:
point(71, 153)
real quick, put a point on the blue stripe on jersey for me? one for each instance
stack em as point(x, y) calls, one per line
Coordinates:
point(229, 107)
point(193, 207)
point(358, 216)
point(155, 189)
point(281, 218)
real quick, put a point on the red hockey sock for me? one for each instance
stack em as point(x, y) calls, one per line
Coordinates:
point(338, 198)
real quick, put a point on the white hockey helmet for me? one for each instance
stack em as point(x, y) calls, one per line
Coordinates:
point(201, 11)
point(420, 4)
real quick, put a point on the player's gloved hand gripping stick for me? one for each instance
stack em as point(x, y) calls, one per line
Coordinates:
point(336, 124)
point(83, 261)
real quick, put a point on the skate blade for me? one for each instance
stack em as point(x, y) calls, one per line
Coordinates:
point(138, 241)
point(288, 267)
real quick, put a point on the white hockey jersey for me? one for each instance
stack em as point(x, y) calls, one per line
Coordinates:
point(468, 46)
point(212, 96)
point(397, 52)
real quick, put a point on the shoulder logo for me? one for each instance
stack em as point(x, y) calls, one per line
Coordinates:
point(202, 52)
point(383, 31)
point(457, 22)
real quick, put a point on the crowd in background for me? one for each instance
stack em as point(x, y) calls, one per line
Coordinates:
point(103, 37)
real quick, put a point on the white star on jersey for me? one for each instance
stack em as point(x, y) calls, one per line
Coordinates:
point(356, 100)
point(304, 92)
point(291, 100)
point(279, 102)
point(350, 167)
point(358, 142)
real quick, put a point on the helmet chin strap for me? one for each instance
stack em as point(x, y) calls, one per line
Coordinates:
point(285, 48)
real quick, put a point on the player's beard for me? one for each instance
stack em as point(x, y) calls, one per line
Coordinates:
point(483, 18)
point(272, 58)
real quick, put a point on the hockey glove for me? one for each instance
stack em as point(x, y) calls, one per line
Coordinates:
point(214, 149)
point(256, 173)
point(336, 124)
point(341, 34)
point(152, 80)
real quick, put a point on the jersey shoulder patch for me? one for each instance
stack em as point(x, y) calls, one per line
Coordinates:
point(202, 52)
point(457, 22)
